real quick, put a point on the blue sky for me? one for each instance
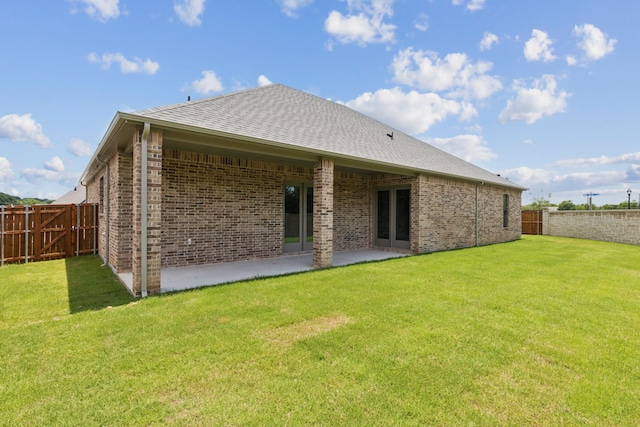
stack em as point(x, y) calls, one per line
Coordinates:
point(543, 92)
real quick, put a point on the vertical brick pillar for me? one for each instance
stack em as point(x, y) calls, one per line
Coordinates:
point(419, 215)
point(323, 214)
point(154, 211)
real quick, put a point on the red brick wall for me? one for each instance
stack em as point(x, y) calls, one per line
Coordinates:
point(231, 209)
point(353, 209)
point(120, 187)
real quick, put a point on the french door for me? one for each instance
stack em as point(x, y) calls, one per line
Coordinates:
point(393, 217)
point(298, 217)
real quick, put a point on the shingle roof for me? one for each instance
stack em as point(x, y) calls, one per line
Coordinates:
point(288, 116)
point(73, 197)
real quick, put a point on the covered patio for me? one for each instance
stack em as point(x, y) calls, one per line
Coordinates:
point(196, 276)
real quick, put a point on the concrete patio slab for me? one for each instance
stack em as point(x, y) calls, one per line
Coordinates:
point(182, 278)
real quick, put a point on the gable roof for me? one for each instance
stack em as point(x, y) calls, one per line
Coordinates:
point(289, 118)
point(73, 197)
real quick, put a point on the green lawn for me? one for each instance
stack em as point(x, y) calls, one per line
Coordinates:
point(541, 331)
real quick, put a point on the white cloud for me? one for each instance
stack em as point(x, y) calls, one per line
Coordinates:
point(50, 175)
point(363, 24)
point(79, 148)
point(633, 173)
point(6, 172)
point(209, 83)
point(472, 148)
point(594, 42)
point(54, 164)
point(531, 104)
point(189, 11)
point(126, 66)
point(263, 80)
point(101, 10)
point(602, 160)
point(422, 23)
point(291, 7)
point(529, 177)
point(488, 41)
point(538, 47)
point(472, 5)
point(552, 180)
point(456, 74)
point(567, 184)
point(411, 112)
point(35, 175)
point(467, 111)
point(23, 129)
point(571, 60)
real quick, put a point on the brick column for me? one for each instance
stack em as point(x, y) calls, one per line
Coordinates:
point(419, 215)
point(154, 211)
point(323, 214)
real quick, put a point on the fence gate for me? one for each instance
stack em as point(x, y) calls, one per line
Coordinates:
point(44, 232)
point(532, 222)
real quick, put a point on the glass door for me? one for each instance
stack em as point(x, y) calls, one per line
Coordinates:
point(393, 218)
point(298, 217)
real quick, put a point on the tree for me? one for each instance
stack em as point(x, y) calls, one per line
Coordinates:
point(6, 199)
point(566, 205)
point(539, 202)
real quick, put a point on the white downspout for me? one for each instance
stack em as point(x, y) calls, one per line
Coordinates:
point(144, 199)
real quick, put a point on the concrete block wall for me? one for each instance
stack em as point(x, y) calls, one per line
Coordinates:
point(621, 226)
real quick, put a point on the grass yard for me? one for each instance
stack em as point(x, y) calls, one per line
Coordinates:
point(541, 331)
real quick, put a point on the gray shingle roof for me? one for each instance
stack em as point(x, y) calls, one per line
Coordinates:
point(288, 116)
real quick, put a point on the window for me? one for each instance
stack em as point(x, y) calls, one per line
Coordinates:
point(505, 210)
point(101, 208)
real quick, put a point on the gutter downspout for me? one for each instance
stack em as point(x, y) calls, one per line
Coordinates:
point(144, 199)
point(478, 215)
point(107, 208)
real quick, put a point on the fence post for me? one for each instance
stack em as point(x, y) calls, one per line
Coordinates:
point(95, 228)
point(2, 236)
point(68, 225)
point(26, 234)
point(78, 230)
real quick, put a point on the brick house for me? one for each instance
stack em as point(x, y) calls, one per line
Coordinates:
point(269, 171)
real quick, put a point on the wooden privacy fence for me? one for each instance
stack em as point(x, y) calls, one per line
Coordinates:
point(532, 222)
point(44, 232)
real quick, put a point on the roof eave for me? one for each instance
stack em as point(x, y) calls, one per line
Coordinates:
point(107, 145)
point(107, 140)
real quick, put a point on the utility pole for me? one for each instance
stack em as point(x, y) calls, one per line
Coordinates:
point(590, 200)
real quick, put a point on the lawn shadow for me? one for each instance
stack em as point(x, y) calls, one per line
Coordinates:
point(91, 286)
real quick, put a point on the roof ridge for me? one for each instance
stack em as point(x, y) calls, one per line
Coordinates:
point(175, 106)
